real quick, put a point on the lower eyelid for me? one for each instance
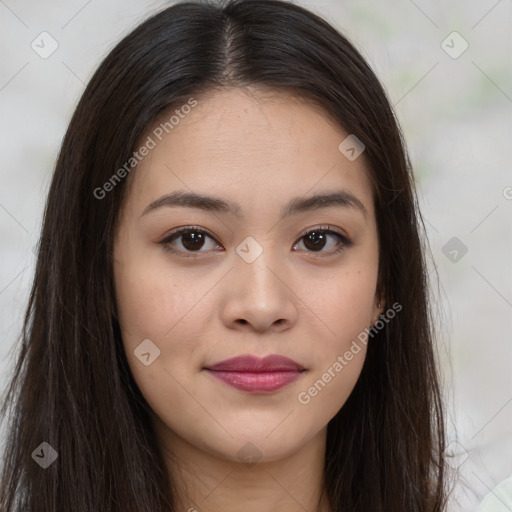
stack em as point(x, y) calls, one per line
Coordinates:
point(344, 241)
point(166, 242)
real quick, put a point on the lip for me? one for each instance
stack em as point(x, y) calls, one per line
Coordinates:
point(256, 375)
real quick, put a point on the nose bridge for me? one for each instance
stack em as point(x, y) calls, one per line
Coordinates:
point(256, 266)
point(257, 293)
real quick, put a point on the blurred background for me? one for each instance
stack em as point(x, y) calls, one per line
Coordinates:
point(447, 68)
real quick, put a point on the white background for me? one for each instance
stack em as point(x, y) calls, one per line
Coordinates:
point(456, 112)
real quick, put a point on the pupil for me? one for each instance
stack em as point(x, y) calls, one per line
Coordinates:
point(193, 240)
point(316, 239)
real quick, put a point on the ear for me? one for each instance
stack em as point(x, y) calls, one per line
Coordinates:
point(379, 306)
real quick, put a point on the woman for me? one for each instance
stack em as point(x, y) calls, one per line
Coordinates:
point(230, 304)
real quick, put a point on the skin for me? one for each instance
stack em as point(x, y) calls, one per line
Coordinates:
point(260, 149)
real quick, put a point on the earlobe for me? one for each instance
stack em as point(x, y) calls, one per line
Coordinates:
point(379, 309)
point(380, 303)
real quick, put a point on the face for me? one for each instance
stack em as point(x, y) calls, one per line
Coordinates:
point(256, 268)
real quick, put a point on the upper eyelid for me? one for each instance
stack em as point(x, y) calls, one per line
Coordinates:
point(321, 227)
point(180, 231)
point(324, 227)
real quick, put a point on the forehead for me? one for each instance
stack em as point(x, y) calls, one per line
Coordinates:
point(252, 146)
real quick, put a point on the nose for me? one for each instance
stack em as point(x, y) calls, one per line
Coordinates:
point(258, 298)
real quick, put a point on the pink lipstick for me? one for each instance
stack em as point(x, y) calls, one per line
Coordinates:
point(255, 375)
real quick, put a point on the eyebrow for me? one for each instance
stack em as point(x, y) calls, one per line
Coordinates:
point(339, 198)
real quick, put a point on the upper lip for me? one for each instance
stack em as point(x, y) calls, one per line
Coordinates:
point(249, 363)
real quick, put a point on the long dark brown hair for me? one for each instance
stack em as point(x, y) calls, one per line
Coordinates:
point(72, 387)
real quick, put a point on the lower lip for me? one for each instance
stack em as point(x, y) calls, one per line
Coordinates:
point(257, 382)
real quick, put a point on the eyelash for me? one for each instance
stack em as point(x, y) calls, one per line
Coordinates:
point(326, 230)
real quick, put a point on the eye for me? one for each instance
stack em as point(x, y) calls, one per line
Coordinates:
point(318, 238)
point(193, 239)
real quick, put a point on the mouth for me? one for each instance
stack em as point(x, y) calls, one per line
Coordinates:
point(255, 375)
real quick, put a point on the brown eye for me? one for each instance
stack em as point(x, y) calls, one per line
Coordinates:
point(318, 239)
point(315, 240)
point(192, 240)
point(187, 241)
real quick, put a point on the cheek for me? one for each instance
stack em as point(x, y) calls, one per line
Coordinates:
point(339, 354)
point(343, 302)
point(328, 388)
point(153, 301)
point(172, 310)
point(155, 306)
